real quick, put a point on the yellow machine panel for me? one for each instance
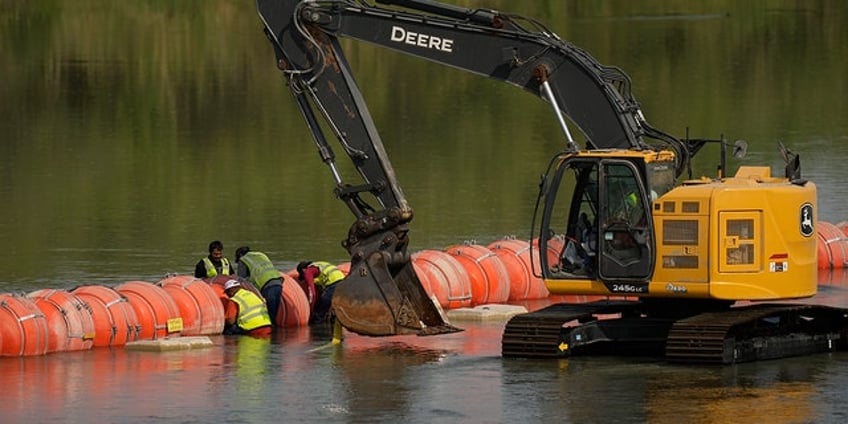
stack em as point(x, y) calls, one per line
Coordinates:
point(745, 235)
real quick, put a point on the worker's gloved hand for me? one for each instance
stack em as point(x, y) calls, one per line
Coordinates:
point(230, 329)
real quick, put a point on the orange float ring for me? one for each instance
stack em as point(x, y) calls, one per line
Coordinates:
point(198, 303)
point(832, 246)
point(837, 277)
point(157, 312)
point(523, 284)
point(489, 278)
point(445, 277)
point(69, 322)
point(431, 288)
point(23, 327)
point(115, 321)
point(555, 248)
point(295, 308)
point(344, 267)
point(843, 226)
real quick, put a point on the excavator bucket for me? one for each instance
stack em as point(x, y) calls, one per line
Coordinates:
point(380, 298)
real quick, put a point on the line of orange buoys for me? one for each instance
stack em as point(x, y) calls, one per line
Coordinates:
point(461, 275)
point(832, 245)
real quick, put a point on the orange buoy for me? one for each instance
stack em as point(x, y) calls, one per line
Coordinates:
point(295, 308)
point(157, 312)
point(430, 287)
point(837, 277)
point(444, 277)
point(832, 246)
point(23, 327)
point(555, 249)
point(115, 321)
point(199, 305)
point(843, 226)
point(344, 267)
point(69, 322)
point(489, 279)
point(515, 255)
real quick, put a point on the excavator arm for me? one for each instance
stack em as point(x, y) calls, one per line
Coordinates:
point(382, 294)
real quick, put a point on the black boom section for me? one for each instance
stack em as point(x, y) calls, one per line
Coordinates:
point(595, 97)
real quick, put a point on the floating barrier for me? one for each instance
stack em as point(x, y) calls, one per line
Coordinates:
point(489, 279)
point(443, 277)
point(23, 327)
point(158, 314)
point(515, 255)
point(70, 326)
point(199, 305)
point(115, 321)
point(460, 276)
point(295, 308)
point(832, 246)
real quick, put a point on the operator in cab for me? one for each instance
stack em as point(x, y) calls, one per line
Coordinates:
point(215, 264)
point(259, 270)
point(323, 276)
point(245, 312)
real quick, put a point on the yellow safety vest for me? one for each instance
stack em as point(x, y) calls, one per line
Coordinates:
point(252, 310)
point(210, 267)
point(330, 274)
point(261, 268)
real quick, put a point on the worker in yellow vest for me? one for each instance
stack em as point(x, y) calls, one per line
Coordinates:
point(245, 312)
point(215, 264)
point(324, 276)
point(259, 270)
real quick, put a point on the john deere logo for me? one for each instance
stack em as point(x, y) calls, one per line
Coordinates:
point(807, 220)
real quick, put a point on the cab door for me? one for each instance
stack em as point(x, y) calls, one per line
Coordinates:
point(625, 227)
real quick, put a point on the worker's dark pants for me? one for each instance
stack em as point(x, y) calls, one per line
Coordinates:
point(272, 291)
point(322, 307)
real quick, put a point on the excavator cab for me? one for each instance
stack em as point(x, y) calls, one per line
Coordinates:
point(598, 206)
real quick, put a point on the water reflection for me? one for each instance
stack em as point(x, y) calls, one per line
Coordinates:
point(298, 376)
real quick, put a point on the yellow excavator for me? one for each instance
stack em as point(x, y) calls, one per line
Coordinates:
point(686, 265)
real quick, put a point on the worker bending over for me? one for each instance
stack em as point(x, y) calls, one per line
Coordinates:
point(324, 276)
point(245, 312)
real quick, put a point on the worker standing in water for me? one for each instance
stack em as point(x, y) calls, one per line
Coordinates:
point(323, 276)
point(256, 267)
point(215, 264)
point(245, 312)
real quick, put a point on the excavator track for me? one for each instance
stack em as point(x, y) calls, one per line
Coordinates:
point(757, 332)
point(739, 334)
point(541, 334)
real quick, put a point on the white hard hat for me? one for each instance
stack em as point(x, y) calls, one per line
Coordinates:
point(230, 284)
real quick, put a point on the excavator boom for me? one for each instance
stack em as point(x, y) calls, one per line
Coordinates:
point(382, 294)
